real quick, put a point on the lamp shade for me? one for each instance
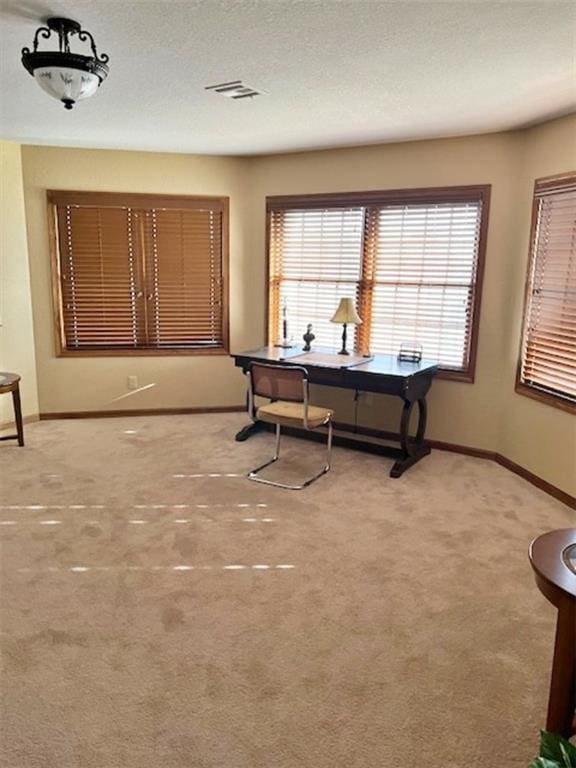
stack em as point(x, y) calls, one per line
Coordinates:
point(346, 313)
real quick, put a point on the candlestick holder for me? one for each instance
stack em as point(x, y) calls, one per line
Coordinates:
point(286, 342)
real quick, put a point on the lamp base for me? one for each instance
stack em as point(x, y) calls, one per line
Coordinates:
point(344, 351)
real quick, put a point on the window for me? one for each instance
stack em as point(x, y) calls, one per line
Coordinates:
point(412, 259)
point(315, 261)
point(139, 274)
point(547, 369)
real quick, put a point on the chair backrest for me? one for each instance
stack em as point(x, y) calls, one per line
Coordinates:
point(279, 382)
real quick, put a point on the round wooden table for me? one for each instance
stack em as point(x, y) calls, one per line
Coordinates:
point(10, 382)
point(553, 558)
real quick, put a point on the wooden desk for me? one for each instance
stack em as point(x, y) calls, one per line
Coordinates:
point(553, 558)
point(381, 373)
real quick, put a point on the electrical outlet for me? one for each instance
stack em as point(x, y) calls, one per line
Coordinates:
point(132, 382)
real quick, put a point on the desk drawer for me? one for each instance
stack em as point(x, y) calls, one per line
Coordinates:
point(328, 377)
point(367, 382)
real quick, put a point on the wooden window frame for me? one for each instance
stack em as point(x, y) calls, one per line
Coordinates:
point(135, 200)
point(455, 194)
point(520, 387)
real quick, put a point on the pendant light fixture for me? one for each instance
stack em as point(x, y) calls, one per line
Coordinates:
point(66, 76)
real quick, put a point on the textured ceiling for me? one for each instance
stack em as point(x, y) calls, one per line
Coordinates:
point(335, 72)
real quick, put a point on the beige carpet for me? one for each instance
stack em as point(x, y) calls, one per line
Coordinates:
point(155, 616)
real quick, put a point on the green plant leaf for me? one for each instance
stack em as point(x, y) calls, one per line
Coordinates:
point(543, 762)
point(568, 754)
point(553, 747)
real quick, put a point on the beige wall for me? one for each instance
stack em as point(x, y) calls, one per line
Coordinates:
point(459, 413)
point(96, 383)
point(538, 437)
point(16, 331)
point(486, 414)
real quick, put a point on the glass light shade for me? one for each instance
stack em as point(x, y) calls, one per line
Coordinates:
point(66, 84)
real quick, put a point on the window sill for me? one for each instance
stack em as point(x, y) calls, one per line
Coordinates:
point(545, 397)
point(209, 352)
point(464, 377)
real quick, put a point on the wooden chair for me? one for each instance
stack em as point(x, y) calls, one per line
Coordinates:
point(286, 386)
point(10, 382)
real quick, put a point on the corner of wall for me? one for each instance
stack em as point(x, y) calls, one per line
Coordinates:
point(534, 435)
point(17, 347)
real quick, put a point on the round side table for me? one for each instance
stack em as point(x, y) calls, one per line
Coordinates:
point(10, 382)
point(553, 558)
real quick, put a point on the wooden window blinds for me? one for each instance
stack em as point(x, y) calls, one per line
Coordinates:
point(548, 353)
point(412, 259)
point(140, 273)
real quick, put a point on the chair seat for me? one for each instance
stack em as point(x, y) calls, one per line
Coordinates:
point(292, 414)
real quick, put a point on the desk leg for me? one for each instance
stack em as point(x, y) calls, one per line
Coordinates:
point(18, 415)
point(249, 430)
point(413, 448)
point(253, 427)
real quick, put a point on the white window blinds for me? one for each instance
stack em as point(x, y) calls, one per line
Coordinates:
point(548, 356)
point(424, 276)
point(316, 259)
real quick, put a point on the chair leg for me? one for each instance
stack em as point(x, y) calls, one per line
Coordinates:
point(18, 415)
point(329, 451)
point(253, 474)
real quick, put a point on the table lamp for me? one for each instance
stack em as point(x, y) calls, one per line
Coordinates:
point(346, 313)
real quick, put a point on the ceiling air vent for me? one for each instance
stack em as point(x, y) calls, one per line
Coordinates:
point(234, 90)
